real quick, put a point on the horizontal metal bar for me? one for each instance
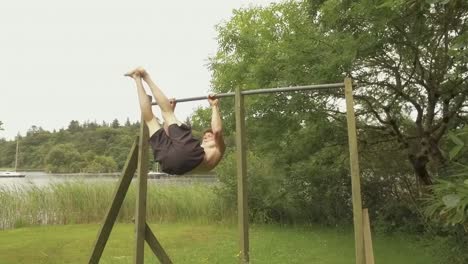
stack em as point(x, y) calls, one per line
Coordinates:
point(267, 90)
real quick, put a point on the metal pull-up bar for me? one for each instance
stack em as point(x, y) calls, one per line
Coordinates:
point(266, 90)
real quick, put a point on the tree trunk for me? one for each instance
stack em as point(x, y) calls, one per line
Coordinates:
point(419, 163)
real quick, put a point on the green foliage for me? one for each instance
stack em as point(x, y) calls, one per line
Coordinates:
point(63, 158)
point(448, 201)
point(201, 119)
point(297, 176)
point(268, 47)
point(266, 196)
point(115, 123)
point(87, 202)
point(410, 62)
point(74, 126)
point(101, 164)
point(321, 186)
point(8, 150)
point(450, 248)
point(302, 136)
point(86, 147)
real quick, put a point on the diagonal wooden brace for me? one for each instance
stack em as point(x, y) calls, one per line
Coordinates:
point(119, 196)
point(154, 244)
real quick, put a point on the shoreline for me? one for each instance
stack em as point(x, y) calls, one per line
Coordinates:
point(151, 174)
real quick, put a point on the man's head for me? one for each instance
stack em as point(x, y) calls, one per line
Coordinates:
point(208, 135)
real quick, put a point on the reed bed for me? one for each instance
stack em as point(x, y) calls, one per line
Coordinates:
point(79, 202)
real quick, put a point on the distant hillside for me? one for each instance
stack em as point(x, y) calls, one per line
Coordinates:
point(86, 147)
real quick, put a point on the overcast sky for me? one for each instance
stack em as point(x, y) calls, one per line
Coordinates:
point(64, 60)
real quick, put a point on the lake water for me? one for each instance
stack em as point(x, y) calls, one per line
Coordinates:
point(44, 179)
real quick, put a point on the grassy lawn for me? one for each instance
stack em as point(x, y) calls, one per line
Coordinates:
point(187, 243)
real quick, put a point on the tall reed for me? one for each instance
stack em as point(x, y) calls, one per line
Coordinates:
point(88, 202)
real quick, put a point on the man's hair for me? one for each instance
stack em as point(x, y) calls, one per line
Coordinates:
point(208, 130)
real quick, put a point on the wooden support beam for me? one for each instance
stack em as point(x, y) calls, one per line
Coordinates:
point(140, 214)
point(242, 205)
point(368, 248)
point(156, 247)
point(114, 208)
point(355, 178)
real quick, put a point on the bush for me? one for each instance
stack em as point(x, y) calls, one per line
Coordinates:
point(447, 203)
point(101, 164)
point(265, 193)
point(315, 190)
point(321, 187)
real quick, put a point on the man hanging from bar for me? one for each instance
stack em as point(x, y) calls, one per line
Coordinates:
point(174, 147)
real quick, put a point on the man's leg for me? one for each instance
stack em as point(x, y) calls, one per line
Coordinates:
point(166, 109)
point(165, 124)
point(145, 106)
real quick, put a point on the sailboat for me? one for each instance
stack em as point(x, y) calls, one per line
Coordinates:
point(8, 174)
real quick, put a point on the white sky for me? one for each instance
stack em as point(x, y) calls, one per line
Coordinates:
point(64, 60)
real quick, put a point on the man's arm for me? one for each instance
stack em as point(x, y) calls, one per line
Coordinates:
point(216, 123)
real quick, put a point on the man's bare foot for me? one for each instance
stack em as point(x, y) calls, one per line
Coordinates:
point(133, 74)
point(138, 72)
point(173, 103)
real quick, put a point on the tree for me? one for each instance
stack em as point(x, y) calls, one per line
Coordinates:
point(297, 152)
point(77, 148)
point(410, 61)
point(269, 47)
point(63, 158)
point(74, 126)
point(115, 123)
point(298, 43)
point(408, 57)
point(90, 125)
point(34, 130)
point(1, 124)
point(101, 164)
point(127, 122)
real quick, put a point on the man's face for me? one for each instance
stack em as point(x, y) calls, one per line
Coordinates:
point(208, 136)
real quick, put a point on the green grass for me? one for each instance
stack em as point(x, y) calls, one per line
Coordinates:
point(191, 243)
point(82, 202)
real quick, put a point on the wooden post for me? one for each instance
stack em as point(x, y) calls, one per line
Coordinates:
point(355, 178)
point(368, 249)
point(242, 205)
point(156, 247)
point(137, 160)
point(140, 214)
point(119, 196)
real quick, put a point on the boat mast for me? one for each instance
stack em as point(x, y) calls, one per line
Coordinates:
point(16, 158)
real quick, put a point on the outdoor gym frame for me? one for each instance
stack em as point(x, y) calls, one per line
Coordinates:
point(137, 161)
